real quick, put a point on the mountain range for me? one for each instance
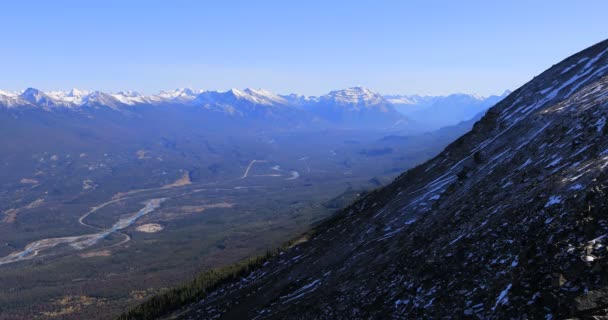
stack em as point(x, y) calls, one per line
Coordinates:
point(508, 221)
point(351, 108)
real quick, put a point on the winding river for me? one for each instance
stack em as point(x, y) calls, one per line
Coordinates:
point(83, 241)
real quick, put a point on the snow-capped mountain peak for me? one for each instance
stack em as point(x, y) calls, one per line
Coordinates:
point(10, 99)
point(51, 99)
point(262, 96)
point(77, 93)
point(8, 93)
point(33, 95)
point(355, 96)
point(129, 97)
point(179, 94)
point(254, 96)
point(71, 98)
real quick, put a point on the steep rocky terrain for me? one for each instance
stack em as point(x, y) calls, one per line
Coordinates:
point(509, 221)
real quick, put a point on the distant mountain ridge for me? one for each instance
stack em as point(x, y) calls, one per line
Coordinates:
point(351, 108)
point(77, 98)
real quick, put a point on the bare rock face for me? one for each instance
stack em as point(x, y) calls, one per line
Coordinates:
point(558, 280)
point(508, 221)
point(592, 302)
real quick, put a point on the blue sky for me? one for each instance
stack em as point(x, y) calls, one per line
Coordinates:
point(309, 47)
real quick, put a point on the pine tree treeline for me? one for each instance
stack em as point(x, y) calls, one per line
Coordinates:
point(204, 283)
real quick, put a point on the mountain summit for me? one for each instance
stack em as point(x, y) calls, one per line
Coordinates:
point(508, 221)
point(356, 107)
point(356, 97)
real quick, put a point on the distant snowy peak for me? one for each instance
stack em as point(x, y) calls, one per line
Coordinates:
point(8, 93)
point(355, 96)
point(259, 96)
point(298, 100)
point(77, 93)
point(236, 97)
point(178, 95)
point(33, 95)
point(46, 100)
point(400, 99)
point(73, 97)
point(10, 99)
point(102, 99)
point(131, 98)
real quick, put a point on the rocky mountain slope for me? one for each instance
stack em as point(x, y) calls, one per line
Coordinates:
point(509, 221)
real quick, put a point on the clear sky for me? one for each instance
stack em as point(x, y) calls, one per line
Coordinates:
point(309, 47)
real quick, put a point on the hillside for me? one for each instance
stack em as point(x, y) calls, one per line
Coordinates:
point(507, 220)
